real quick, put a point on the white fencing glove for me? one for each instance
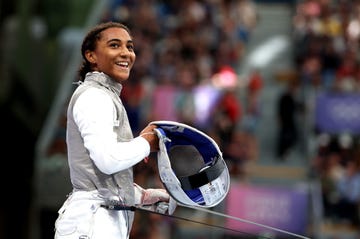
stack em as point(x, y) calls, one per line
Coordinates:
point(152, 196)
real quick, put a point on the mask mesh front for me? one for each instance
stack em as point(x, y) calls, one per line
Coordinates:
point(185, 160)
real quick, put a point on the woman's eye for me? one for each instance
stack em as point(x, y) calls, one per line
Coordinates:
point(131, 47)
point(114, 45)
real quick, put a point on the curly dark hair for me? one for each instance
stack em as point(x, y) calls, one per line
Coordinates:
point(89, 43)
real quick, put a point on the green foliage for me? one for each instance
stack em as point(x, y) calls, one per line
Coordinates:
point(59, 14)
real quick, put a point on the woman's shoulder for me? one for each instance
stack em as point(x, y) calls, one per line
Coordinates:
point(91, 97)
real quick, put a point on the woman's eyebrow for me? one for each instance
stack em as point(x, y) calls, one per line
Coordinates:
point(119, 40)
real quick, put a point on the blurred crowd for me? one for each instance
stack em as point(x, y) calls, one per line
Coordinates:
point(326, 34)
point(327, 37)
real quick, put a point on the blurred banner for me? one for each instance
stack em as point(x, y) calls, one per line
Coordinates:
point(285, 208)
point(338, 113)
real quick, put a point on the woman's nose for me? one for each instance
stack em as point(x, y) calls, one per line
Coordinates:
point(124, 51)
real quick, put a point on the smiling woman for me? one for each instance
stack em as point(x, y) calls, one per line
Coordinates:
point(100, 144)
point(108, 48)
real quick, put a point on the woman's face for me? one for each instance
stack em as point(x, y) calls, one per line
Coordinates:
point(114, 54)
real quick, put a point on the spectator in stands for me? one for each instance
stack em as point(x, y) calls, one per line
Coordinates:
point(100, 144)
point(348, 188)
point(253, 105)
point(334, 171)
point(184, 101)
point(132, 95)
point(228, 111)
point(346, 72)
point(286, 112)
point(330, 61)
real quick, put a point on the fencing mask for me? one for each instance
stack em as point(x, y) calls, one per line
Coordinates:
point(190, 165)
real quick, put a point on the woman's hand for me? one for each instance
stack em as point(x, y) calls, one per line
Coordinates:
point(150, 135)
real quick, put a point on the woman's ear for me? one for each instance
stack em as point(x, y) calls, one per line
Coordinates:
point(90, 57)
